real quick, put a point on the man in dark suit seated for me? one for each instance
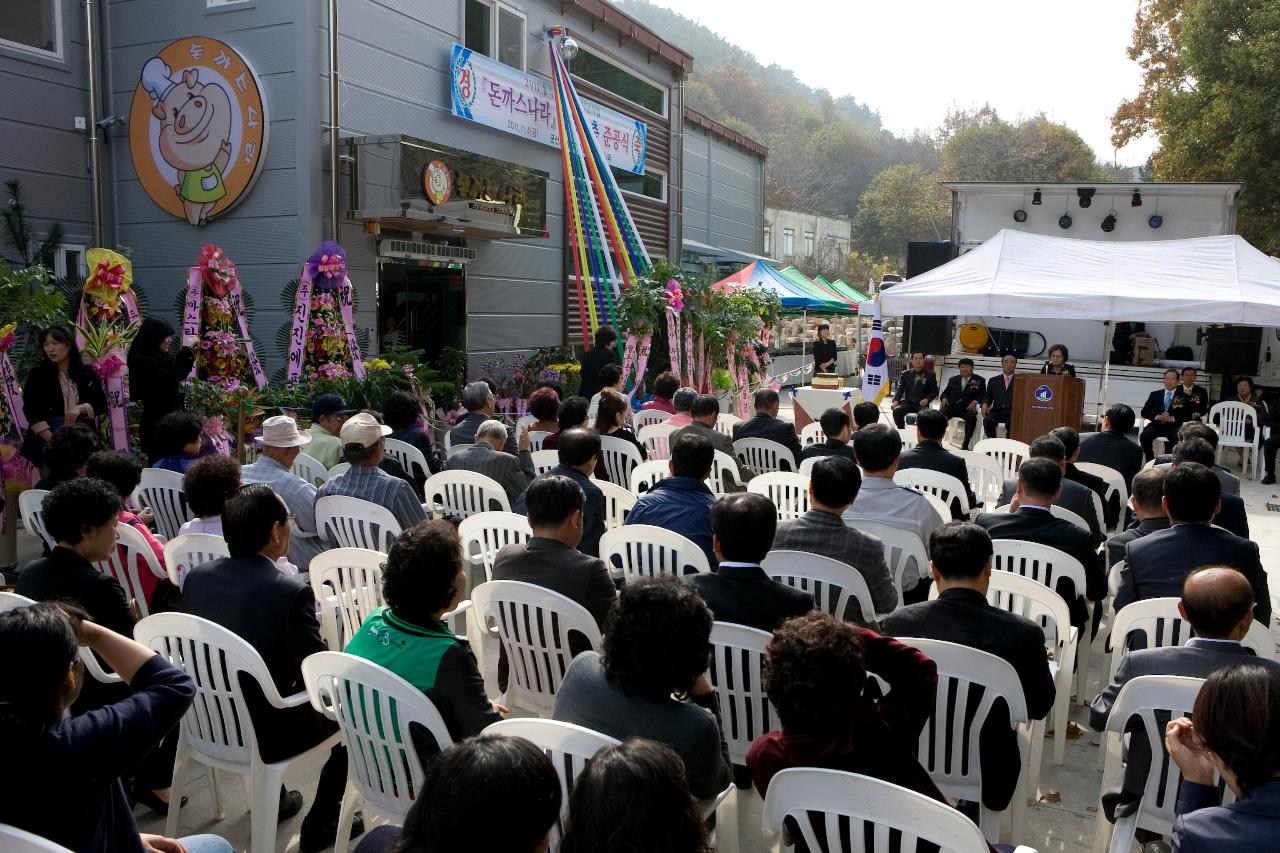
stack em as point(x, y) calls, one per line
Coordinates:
point(1147, 501)
point(1196, 429)
point(704, 411)
point(997, 402)
point(1111, 446)
point(579, 450)
point(766, 424)
point(1162, 418)
point(961, 397)
point(1231, 515)
point(865, 414)
point(480, 403)
point(551, 559)
point(836, 427)
point(1071, 444)
point(929, 454)
point(1039, 482)
point(916, 389)
point(738, 590)
point(960, 557)
point(276, 614)
point(1218, 602)
point(1156, 565)
point(1075, 497)
point(484, 456)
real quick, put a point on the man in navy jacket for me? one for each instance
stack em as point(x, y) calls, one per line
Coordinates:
point(682, 502)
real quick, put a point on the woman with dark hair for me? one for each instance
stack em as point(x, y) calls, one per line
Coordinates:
point(60, 390)
point(1057, 364)
point(824, 351)
point(207, 484)
point(67, 453)
point(633, 798)
point(611, 419)
point(403, 413)
point(611, 379)
point(1247, 393)
point(64, 783)
point(665, 386)
point(573, 413)
point(1236, 734)
point(177, 441)
point(155, 375)
point(544, 404)
point(123, 472)
point(651, 681)
point(604, 352)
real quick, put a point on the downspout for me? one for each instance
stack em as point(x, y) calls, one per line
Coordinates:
point(95, 130)
point(334, 174)
point(675, 241)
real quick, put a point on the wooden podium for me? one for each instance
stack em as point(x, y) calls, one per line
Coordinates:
point(1042, 402)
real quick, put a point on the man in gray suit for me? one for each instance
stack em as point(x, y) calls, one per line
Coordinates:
point(485, 456)
point(704, 411)
point(1074, 496)
point(1147, 501)
point(1218, 602)
point(480, 403)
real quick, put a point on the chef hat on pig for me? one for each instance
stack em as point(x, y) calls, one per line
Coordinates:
point(156, 79)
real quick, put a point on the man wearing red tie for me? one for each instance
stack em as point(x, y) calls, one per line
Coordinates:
point(997, 403)
point(1161, 414)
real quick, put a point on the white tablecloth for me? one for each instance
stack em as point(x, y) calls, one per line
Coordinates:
point(815, 401)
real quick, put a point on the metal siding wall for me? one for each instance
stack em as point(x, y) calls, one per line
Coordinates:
point(723, 200)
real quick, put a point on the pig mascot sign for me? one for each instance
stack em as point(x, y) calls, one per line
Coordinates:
point(197, 128)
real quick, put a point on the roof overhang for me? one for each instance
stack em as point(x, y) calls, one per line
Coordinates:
point(628, 29)
point(481, 220)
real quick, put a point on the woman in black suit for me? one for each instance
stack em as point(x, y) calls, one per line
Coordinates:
point(155, 376)
point(824, 351)
point(60, 390)
point(1057, 363)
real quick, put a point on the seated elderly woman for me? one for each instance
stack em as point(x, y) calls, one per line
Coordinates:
point(177, 440)
point(651, 681)
point(573, 413)
point(124, 471)
point(665, 386)
point(70, 449)
point(544, 404)
point(403, 413)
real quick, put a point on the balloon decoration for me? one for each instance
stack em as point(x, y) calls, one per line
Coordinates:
point(322, 342)
point(214, 323)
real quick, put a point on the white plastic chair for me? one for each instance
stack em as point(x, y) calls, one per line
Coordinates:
point(12, 601)
point(1073, 517)
point(31, 510)
point(14, 840)
point(724, 471)
point(1115, 487)
point(656, 439)
point(486, 533)
point(544, 460)
point(1163, 625)
point(1047, 565)
point(463, 494)
point(536, 437)
point(648, 417)
point(910, 438)
point(354, 523)
point(986, 476)
point(347, 583)
point(374, 709)
point(946, 488)
point(725, 424)
point(902, 550)
point(1229, 419)
point(762, 455)
point(123, 564)
point(339, 469)
point(618, 503)
point(184, 553)
point(812, 434)
point(949, 743)
point(533, 625)
point(831, 582)
point(806, 465)
point(161, 491)
point(644, 475)
point(408, 456)
point(309, 468)
point(216, 730)
point(525, 421)
point(788, 490)
point(1143, 697)
point(570, 748)
point(620, 456)
point(1008, 452)
point(642, 550)
point(819, 800)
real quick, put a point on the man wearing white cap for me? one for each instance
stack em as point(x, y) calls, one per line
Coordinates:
point(363, 443)
point(281, 443)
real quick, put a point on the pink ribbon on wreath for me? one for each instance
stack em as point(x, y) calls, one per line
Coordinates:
point(298, 334)
point(691, 368)
point(628, 357)
point(111, 372)
point(743, 390)
point(673, 341)
point(12, 390)
point(642, 361)
point(235, 299)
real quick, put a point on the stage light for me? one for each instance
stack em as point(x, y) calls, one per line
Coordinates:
point(1064, 221)
point(1085, 194)
point(1136, 201)
point(1155, 220)
point(1019, 216)
point(1035, 197)
point(1109, 224)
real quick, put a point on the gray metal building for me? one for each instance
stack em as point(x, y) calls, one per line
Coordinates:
point(723, 206)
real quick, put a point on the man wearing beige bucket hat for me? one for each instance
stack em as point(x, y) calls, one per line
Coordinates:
point(281, 443)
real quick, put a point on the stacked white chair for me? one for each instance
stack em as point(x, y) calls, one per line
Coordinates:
point(620, 456)
point(1116, 487)
point(347, 583)
point(485, 534)
point(910, 438)
point(902, 550)
point(161, 490)
point(724, 474)
point(354, 523)
point(1230, 420)
point(788, 490)
point(656, 439)
point(463, 494)
point(536, 437)
point(643, 550)
point(831, 583)
point(986, 476)
point(184, 553)
point(644, 475)
point(339, 469)
point(812, 434)
point(762, 455)
point(309, 468)
point(648, 417)
point(131, 548)
point(411, 459)
point(31, 510)
point(1008, 452)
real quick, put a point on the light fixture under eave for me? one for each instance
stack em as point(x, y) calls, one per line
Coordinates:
point(1155, 220)
point(1036, 198)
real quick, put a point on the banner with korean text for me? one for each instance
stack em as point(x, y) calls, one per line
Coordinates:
point(507, 99)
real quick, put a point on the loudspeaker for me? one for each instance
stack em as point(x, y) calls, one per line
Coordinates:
point(932, 334)
point(1233, 350)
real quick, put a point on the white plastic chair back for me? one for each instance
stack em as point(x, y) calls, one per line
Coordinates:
point(1008, 452)
point(525, 421)
point(618, 503)
point(533, 625)
point(726, 422)
point(1144, 697)
point(374, 709)
point(1157, 618)
point(656, 439)
point(788, 490)
point(944, 487)
point(902, 550)
point(620, 457)
point(643, 550)
point(339, 469)
point(940, 509)
point(123, 564)
point(831, 583)
point(354, 523)
point(986, 476)
point(31, 510)
point(570, 748)
point(949, 743)
point(1067, 515)
point(644, 475)
point(762, 455)
point(347, 583)
point(724, 471)
point(648, 417)
point(544, 460)
point(486, 533)
point(184, 553)
point(14, 840)
point(806, 465)
point(12, 601)
point(309, 468)
point(463, 494)
point(409, 457)
point(1115, 484)
point(737, 653)
point(161, 491)
point(820, 801)
point(812, 434)
point(910, 438)
point(536, 437)
point(1229, 419)
point(1041, 563)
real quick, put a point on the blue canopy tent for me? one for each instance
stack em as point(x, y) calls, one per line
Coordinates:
point(761, 275)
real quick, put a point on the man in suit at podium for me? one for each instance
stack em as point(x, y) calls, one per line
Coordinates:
point(961, 397)
point(917, 388)
point(997, 401)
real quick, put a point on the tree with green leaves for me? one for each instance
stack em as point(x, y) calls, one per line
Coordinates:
point(988, 148)
point(1211, 93)
point(903, 203)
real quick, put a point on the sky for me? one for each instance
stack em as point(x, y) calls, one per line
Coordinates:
point(912, 60)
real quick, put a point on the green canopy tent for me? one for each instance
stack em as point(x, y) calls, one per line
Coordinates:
point(847, 290)
point(833, 302)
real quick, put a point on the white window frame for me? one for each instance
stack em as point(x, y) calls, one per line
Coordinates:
point(58, 39)
point(788, 242)
point(60, 260)
point(217, 5)
point(768, 241)
point(808, 244)
point(494, 7)
point(649, 171)
point(601, 54)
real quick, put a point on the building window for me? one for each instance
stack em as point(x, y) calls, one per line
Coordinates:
point(808, 244)
point(788, 242)
point(768, 241)
point(32, 26)
point(68, 263)
point(597, 70)
point(222, 4)
point(495, 30)
point(652, 184)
